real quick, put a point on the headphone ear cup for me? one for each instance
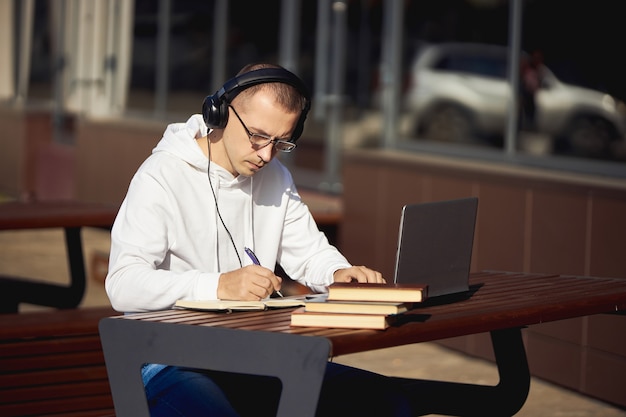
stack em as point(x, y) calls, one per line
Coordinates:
point(214, 112)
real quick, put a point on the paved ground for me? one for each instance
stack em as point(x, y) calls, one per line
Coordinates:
point(41, 254)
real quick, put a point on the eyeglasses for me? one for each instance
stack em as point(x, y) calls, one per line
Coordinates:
point(260, 141)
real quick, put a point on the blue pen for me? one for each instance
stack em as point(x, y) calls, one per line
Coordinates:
point(255, 260)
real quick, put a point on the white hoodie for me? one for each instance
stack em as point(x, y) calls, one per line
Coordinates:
point(168, 242)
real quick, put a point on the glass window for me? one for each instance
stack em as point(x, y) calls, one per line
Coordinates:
point(569, 94)
point(570, 90)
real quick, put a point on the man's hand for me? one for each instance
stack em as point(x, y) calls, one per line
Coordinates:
point(252, 282)
point(359, 274)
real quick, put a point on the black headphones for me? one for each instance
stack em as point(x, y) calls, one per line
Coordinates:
point(215, 107)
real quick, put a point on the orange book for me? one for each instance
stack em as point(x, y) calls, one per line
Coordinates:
point(389, 292)
point(357, 307)
point(303, 318)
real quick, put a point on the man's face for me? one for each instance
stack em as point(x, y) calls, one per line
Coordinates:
point(260, 114)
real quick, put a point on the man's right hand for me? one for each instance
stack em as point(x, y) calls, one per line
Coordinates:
point(252, 282)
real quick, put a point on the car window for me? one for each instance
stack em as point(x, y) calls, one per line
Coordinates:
point(477, 65)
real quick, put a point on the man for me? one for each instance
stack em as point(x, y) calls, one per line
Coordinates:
point(211, 188)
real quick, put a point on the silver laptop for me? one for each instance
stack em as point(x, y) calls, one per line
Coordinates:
point(435, 245)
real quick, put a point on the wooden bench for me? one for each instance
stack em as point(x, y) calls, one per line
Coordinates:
point(51, 363)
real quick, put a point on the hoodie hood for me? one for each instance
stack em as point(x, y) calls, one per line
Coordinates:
point(179, 139)
point(234, 193)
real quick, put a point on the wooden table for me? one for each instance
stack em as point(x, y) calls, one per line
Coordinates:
point(264, 343)
point(69, 215)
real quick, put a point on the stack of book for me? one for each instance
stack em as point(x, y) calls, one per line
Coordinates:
point(359, 306)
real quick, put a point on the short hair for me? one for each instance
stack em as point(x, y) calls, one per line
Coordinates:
point(287, 96)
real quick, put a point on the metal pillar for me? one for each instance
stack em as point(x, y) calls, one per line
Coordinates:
point(333, 148)
point(321, 59)
point(27, 11)
point(162, 58)
point(289, 34)
point(7, 53)
point(391, 73)
point(220, 34)
point(515, 29)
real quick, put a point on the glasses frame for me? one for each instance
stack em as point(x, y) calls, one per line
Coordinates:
point(279, 144)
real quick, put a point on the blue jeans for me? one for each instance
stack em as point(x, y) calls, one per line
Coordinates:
point(345, 392)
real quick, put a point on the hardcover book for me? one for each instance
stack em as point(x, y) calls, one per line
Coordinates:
point(303, 318)
point(388, 292)
point(357, 307)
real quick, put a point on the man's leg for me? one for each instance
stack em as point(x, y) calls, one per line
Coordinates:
point(348, 391)
point(345, 391)
point(176, 391)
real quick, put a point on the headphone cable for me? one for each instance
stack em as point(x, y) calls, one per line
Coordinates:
point(217, 208)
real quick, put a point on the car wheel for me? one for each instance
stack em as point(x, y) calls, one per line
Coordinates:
point(588, 136)
point(449, 124)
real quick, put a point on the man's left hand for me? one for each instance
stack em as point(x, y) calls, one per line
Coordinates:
point(358, 274)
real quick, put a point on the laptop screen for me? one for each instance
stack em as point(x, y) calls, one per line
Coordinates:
point(435, 245)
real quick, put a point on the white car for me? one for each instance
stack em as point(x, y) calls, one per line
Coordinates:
point(459, 92)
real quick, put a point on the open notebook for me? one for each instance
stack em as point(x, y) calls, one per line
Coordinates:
point(228, 305)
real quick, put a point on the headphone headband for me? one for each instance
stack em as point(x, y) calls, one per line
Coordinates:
point(215, 107)
point(236, 85)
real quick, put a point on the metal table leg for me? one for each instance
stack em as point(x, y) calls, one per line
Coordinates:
point(458, 399)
